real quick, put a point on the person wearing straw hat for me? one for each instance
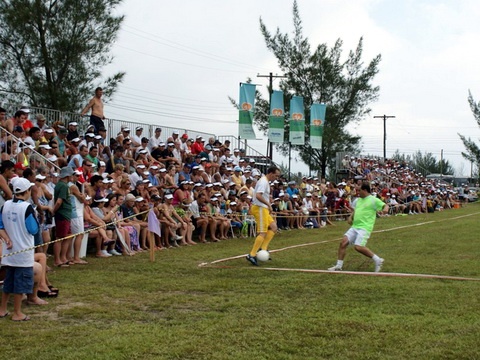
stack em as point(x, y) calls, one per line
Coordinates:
point(18, 225)
point(63, 214)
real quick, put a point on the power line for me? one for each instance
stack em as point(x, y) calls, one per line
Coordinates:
point(169, 96)
point(178, 62)
point(167, 103)
point(188, 49)
point(176, 116)
point(154, 107)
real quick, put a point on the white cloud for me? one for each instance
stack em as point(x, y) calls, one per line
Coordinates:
point(428, 48)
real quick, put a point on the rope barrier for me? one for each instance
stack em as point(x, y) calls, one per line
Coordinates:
point(300, 214)
point(72, 235)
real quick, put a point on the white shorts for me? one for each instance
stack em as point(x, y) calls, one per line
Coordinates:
point(357, 236)
point(76, 225)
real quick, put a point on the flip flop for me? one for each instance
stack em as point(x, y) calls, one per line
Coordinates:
point(26, 318)
point(64, 265)
point(47, 294)
point(53, 289)
point(4, 316)
point(80, 263)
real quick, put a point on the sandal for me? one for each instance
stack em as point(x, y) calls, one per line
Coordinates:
point(108, 242)
point(47, 294)
point(53, 289)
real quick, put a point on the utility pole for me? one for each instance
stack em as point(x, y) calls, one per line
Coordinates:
point(441, 165)
point(384, 117)
point(270, 92)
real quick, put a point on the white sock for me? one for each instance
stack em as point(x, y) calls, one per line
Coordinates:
point(340, 263)
point(375, 258)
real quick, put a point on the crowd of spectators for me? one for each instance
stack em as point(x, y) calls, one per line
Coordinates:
point(200, 189)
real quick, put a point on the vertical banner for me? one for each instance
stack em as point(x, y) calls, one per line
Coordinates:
point(245, 120)
point(317, 120)
point(276, 128)
point(297, 121)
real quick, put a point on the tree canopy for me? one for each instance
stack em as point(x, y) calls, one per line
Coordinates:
point(322, 76)
point(53, 51)
point(472, 151)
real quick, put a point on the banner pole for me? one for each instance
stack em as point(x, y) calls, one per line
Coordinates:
point(151, 239)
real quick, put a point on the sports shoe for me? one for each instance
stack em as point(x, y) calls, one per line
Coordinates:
point(104, 252)
point(335, 268)
point(252, 259)
point(178, 237)
point(378, 265)
point(114, 252)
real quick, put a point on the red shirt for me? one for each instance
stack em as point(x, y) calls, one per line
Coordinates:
point(27, 125)
point(197, 148)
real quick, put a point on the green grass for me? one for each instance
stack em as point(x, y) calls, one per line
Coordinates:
point(130, 308)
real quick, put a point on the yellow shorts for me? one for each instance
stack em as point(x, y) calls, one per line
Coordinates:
point(262, 218)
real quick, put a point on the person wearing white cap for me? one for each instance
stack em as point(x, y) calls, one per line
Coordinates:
point(236, 157)
point(72, 131)
point(261, 210)
point(96, 106)
point(237, 178)
point(197, 146)
point(362, 220)
point(155, 140)
point(18, 233)
point(175, 135)
point(137, 137)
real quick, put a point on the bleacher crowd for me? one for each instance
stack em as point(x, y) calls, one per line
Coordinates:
point(199, 189)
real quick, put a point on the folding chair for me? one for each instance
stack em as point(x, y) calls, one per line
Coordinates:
point(250, 219)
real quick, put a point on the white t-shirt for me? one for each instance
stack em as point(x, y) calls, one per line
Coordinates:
point(154, 142)
point(13, 216)
point(262, 187)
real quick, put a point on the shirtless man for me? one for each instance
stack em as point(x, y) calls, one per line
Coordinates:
point(18, 120)
point(96, 107)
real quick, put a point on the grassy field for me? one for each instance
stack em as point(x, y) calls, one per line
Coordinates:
point(130, 308)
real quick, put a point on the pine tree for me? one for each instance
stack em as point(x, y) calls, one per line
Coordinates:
point(53, 51)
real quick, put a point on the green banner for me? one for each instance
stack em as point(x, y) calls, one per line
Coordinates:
point(245, 125)
point(276, 129)
point(317, 121)
point(297, 121)
point(246, 110)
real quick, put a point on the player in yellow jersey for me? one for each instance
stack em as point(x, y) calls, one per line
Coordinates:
point(261, 210)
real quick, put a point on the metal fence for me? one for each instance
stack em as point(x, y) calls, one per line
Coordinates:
point(114, 127)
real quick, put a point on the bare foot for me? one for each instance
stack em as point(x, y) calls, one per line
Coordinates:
point(20, 317)
point(101, 255)
point(36, 301)
point(80, 262)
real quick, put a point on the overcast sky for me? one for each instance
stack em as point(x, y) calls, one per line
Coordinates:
point(183, 59)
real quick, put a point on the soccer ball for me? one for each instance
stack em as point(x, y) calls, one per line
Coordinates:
point(263, 255)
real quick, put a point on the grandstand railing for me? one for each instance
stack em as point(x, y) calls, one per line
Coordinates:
point(114, 127)
point(341, 171)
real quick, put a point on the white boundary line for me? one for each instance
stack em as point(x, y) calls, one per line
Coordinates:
point(427, 276)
